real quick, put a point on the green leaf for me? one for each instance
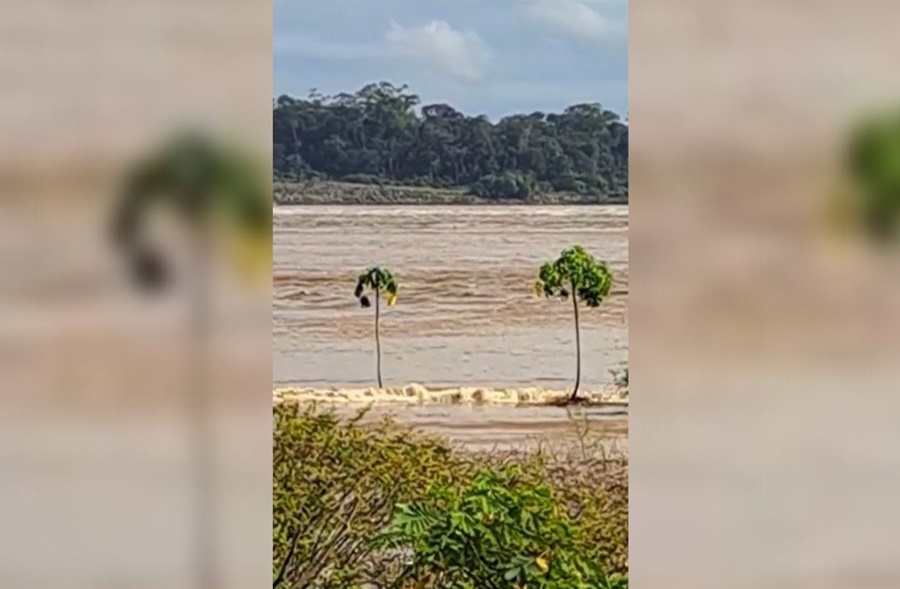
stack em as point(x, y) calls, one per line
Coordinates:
point(513, 573)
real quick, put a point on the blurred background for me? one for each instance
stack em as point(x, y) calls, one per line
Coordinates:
point(763, 437)
point(135, 423)
point(764, 416)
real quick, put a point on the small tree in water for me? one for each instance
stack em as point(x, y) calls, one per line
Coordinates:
point(381, 282)
point(577, 274)
point(219, 191)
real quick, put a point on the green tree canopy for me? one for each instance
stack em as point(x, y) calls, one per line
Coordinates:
point(577, 269)
point(377, 135)
point(215, 186)
point(873, 159)
point(379, 280)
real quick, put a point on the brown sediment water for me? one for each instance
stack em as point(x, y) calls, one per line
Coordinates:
point(466, 313)
point(490, 356)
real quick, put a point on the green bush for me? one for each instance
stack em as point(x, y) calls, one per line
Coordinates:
point(591, 483)
point(335, 485)
point(503, 531)
point(340, 484)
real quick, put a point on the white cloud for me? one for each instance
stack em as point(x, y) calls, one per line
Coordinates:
point(461, 54)
point(574, 17)
point(436, 45)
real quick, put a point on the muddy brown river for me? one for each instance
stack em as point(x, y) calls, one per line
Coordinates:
point(466, 313)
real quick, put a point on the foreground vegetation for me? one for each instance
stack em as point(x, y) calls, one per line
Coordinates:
point(377, 136)
point(377, 506)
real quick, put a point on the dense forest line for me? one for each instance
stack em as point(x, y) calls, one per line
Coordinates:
point(378, 136)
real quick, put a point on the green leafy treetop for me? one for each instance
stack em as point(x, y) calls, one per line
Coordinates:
point(380, 281)
point(214, 185)
point(577, 273)
point(873, 162)
point(578, 270)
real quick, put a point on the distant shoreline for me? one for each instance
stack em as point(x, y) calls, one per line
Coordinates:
point(345, 193)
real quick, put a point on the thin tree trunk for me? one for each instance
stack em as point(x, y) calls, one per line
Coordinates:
point(577, 346)
point(200, 407)
point(377, 340)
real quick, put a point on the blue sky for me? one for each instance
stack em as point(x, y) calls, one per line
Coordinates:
point(493, 57)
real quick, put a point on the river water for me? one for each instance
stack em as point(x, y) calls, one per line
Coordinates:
point(466, 314)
